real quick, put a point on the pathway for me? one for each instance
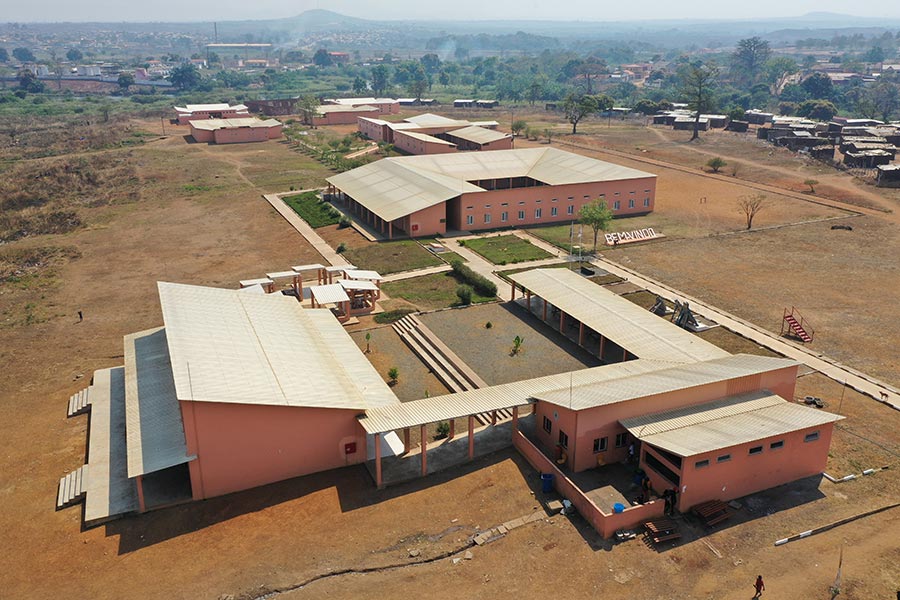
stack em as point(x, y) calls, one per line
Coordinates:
point(416, 273)
point(328, 253)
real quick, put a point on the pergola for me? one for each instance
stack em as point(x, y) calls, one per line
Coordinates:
point(332, 293)
point(362, 294)
point(302, 269)
point(267, 284)
point(288, 275)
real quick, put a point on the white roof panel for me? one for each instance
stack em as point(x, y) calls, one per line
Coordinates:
point(478, 135)
point(358, 285)
point(332, 293)
point(364, 274)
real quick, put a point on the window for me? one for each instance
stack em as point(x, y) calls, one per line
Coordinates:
point(617, 194)
point(538, 212)
point(555, 200)
point(470, 220)
point(755, 450)
point(646, 191)
point(723, 458)
point(602, 197)
point(631, 203)
point(621, 439)
point(776, 445)
point(701, 463)
point(571, 198)
point(504, 216)
point(548, 424)
point(617, 205)
point(811, 437)
point(521, 203)
point(487, 205)
point(469, 207)
point(553, 211)
point(538, 201)
point(521, 215)
point(646, 201)
point(586, 197)
point(443, 220)
point(563, 439)
point(600, 444)
point(504, 204)
point(570, 210)
point(487, 218)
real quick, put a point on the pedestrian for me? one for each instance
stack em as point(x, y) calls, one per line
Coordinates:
point(631, 452)
point(80, 316)
point(674, 497)
point(759, 585)
point(667, 496)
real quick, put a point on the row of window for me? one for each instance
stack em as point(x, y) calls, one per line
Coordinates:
point(539, 212)
point(601, 444)
point(810, 437)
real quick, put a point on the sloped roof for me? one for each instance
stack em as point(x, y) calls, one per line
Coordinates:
point(227, 346)
point(478, 135)
point(191, 108)
point(345, 108)
point(724, 423)
point(424, 137)
point(213, 124)
point(433, 120)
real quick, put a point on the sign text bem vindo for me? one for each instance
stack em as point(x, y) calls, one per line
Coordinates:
point(626, 237)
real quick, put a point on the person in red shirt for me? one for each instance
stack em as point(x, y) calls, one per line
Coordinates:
point(759, 585)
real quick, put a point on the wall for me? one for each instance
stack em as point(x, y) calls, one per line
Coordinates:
point(560, 419)
point(531, 198)
point(413, 145)
point(203, 136)
point(241, 135)
point(241, 446)
point(372, 130)
point(426, 222)
point(745, 474)
point(218, 114)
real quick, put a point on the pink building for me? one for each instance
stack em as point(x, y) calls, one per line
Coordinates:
point(235, 131)
point(433, 125)
point(192, 112)
point(429, 195)
point(340, 114)
point(413, 142)
point(385, 106)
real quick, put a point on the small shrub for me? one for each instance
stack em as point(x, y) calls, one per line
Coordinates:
point(443, 430)
point(461, 242)
point(342, 247)
point(716, 163)
point(393, 375)
point(344, 223)
point(390, 316)
point(464, 292)
point(488, 325)
point(481, 284)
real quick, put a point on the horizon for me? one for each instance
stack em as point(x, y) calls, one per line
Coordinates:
point(575, 11)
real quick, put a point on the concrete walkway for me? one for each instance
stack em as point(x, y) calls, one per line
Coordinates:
point(328, 253)
point(830, 368)
point(416, 273)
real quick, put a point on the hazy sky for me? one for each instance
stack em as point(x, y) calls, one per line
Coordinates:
point(593, 10)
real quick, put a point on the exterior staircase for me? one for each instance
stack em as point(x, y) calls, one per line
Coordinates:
point(80, 402)
point(72, 488)
point(444, 363)
point(793, 322)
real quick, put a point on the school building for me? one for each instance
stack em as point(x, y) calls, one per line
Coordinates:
point(235, 131)
point(435, 134)
point(193, 112)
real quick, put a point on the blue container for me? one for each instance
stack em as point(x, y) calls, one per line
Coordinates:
point(618, 507)
point(546, 482)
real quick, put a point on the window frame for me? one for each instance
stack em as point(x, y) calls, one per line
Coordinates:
point(601, 444)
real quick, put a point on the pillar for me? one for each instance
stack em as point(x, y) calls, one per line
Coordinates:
point(602, 344)
point(562, 322)
point(493, 417)
point(515, 423)
point(406, 440)
point(534, 408)
point(452, 429)
point(378, 482)
point(512, 294)
point(142, 507)
point(391, 230)
point(424, 436)
point(544, 313)
point(581, 334)
point(471, 437)
point(528, 299)
point(624, 354)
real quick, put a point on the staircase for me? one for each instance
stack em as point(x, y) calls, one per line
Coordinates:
point(444, 363)
point(794, 322)
point(72, 488)
point(79, 403)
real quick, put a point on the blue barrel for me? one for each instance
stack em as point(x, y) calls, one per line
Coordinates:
point(546, 482)
point(618, 507)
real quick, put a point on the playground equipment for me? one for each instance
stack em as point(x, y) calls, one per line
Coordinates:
point(683, 317)
point(659, 309)
point(793, 323)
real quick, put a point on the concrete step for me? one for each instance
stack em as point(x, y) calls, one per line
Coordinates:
point(438, 358)
point(79, 403)
point(472, 379)
point(435, 367)
point(71, 488)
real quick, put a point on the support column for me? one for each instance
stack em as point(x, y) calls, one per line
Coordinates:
point(602, 344)
point(581, 334)
point(493, 417)
point(452, 429)
point(378, 482)
point(142, 507)
point(515, 423)
point(512, 294)
point(624, 354)
point(424, 436)
point(534, 408)
point(562, 322)
point(471, 437)
point(406, 440)
point(528, 299)
point(391, 230)
point(544, 314)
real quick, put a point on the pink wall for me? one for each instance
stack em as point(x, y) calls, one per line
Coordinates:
point(241, 135)
point(340, 118)
point(203, 136)
point(511, 201)
point(561, 419)
point(216, 114)
point(745, 474)
point(413, 145)
point(240, 446)
point(372, 130)
point(426, 222)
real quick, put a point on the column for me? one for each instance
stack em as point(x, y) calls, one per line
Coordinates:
point(424, 437)
point(602, 344)
point(391, 230)
point(624, 354)
point(471, 437)
point(378, 481)
point(142, 507)
point(544, 313)
point(512, 294)
point(493, 417)
point(515, 423)
point(581, 334)
point(452, 429)
point(562, 322)
point(406, 440)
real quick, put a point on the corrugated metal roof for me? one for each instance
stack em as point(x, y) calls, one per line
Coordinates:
point(260, 281)
point(364, 274)
point(478, 135)
point(312, 267)
point(362, 284)
point(329, 294)
point(153, 426)
point(433, 120)
point(724, 423)
point(282, 275)
point(235, 123)
point(636, 329)
point(396, 187)
point(226, 346)
point(452, 406)
point(424, 137)
point(345, 108)
point(677, 377)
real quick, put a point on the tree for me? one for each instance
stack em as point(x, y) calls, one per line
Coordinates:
point(777, 69)
point(535, 90)
point(307, 108)
point(74, 55)
point(393, 375)
point(885, 99)
point(646, 106)
point(431, 63)
point(736, 114)
point(322, 58)
point(597, 216)
point(820, 110)
point(29, 82)
point(748, 59)
point(359, 85)
point(818, 86)
point(380, 77)
point(517, 345)
point(812, 183)
point(751, 205)
point(418, 81)
point(4, 55)
point(185, 76)
point(577, 108)
point(716, 163)
point(23, 55)
point(125, 80)
point(443, 78)
point(368, 339)
point(518, 126)
point(585, 70)
point(697, 85)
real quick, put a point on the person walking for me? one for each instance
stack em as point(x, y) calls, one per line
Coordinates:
point(759, 585)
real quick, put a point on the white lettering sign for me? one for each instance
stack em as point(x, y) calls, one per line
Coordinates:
point(625, 237)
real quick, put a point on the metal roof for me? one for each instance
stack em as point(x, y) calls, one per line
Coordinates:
point(333, 293)
point(260, 281)
point(227, 346)
point(424, 137)
point(636, 329)
point(453, 406)
point(670, 379)
point(364, 274)
point(282, 275)
point(396, 187)
point(432, 120)
point(725, 423)
point(362, 284)
point(312, 267)
point(345, 108)
point(190, 108)
point(478, 135)
point(252, 122)
point(153, 426)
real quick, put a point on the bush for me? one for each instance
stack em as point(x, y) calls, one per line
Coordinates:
point(393, 374)
point(443, 430)
point(390, 316)
point(344, 223)
point(488, 325)
point(464, 292)
point(342, 247)
point(481, 284)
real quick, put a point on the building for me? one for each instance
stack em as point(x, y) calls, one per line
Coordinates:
point(235, 131)
point(888, 176)
point(427, 123)
point(386, 106)
point(274, 107)
point(193, 112)
point(429, 195)
point(342, 114)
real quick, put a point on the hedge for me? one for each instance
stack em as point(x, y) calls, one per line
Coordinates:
point(483, 286)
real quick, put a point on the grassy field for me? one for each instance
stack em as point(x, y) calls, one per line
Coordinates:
point(392, 257)
point(430, 292)
point(506, 249)
point(312, 210)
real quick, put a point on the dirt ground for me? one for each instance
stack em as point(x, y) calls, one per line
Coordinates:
point(200, 219)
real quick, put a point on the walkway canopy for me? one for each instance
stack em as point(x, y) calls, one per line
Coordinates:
point(640, 332)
